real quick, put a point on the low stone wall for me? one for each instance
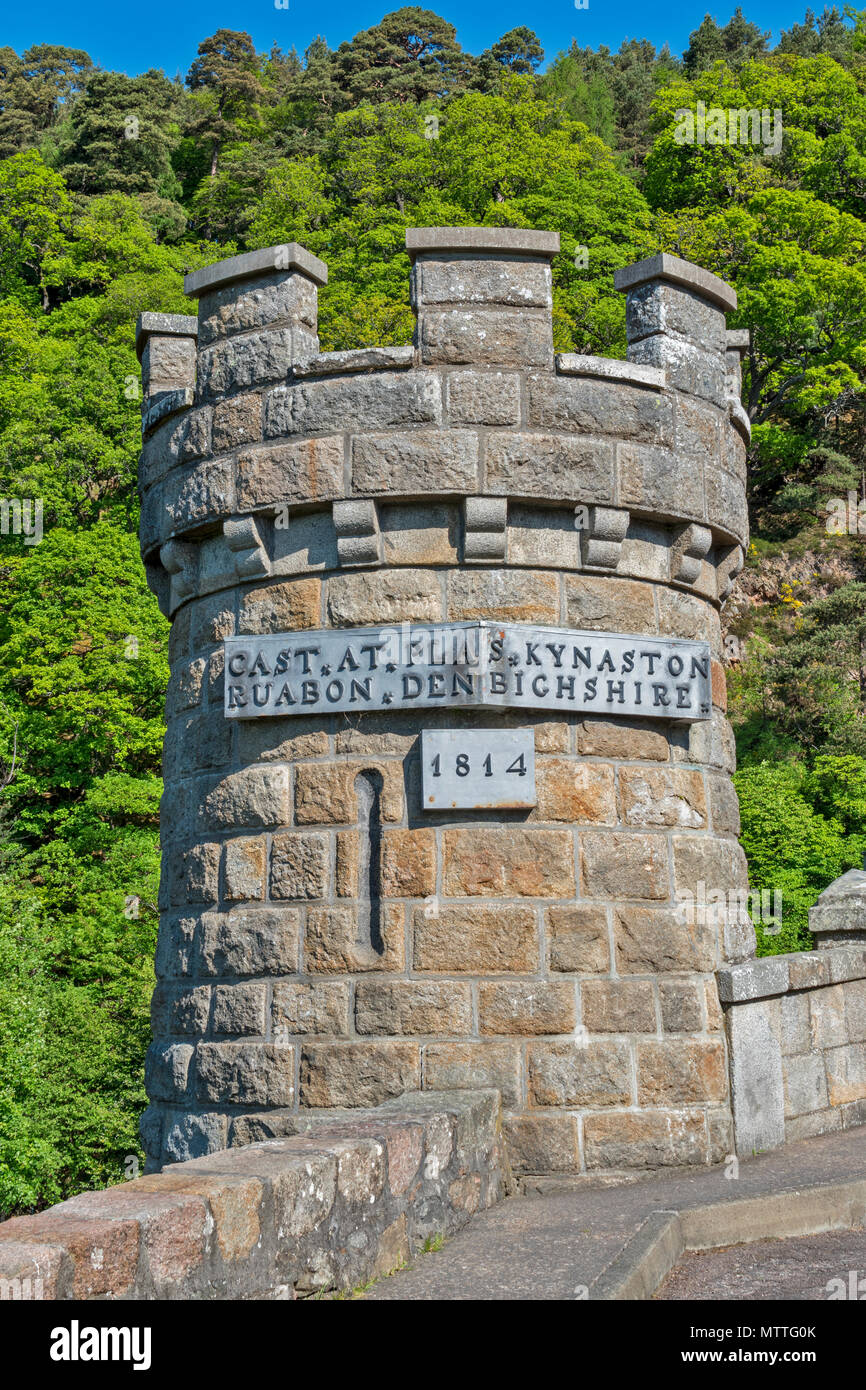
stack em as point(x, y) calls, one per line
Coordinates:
point(332, 1207)
point(796, 1029)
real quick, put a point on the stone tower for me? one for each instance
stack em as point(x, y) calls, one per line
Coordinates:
point(521, 556)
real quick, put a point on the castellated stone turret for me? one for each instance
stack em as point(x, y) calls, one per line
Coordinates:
point(522, 556)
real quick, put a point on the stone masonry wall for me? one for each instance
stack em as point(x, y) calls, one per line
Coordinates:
point(797, 1032)
point(474, 475)
point(347, 1199)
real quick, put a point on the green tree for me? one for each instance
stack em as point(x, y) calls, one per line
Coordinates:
point(518, 51)
point(735, 43)
point(585, 96)
point(836, 787)
point(781, 229)
point(827, 33)
point(612, 93)
point(793, 848)
point(84, 669)
point(822, 150)
point(226, 203)
point(35, 214)
point(120, 136)
point(307, 96)
point(226, 80)
point(410, 56)
point(82, 673)
point(507, 159)
point(69, 379)
point(77, 936)
point(36, 90)
point(812, 681)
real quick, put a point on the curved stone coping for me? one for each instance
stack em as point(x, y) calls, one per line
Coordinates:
point(611, 369)
point(356, 360)
point(516, 241)
point(739, 419)
point(289, 256)
point(164, 404)
point(347, 1197)
point(677, 272)
point(772, 975)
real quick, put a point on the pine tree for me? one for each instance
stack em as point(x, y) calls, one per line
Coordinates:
point(120, 136)
point(36, 90)
point(226, 76)
point(738, 41)
point(517, 51)
point(411, 55)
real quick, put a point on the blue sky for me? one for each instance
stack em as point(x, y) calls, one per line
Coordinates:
point(165, 34)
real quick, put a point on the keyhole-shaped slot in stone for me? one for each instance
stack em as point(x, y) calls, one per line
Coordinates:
point(368, 790)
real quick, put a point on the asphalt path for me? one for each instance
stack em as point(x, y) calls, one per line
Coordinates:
point(553, 1246)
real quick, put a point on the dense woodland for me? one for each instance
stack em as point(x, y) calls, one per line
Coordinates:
point(111, 187)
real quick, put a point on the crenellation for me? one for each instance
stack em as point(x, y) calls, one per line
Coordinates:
point(689, 370)
point(168, 363)
point(229, 367)
point(737, 344)
point(258, 303)
point(660, 307)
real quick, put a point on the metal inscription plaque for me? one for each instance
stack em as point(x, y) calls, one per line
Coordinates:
point(477, 769)
point(459, 665)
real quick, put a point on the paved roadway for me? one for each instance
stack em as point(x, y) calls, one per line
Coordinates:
point(807, 1268)
point(552, 1246)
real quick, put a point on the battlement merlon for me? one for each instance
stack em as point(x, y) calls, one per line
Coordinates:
point(272, 296)
point(483, 295)
point(479, 407)
point(675, 319)
point(165, 345)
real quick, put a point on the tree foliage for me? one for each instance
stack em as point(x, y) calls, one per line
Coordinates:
point(113, 186)
point(800, 831)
